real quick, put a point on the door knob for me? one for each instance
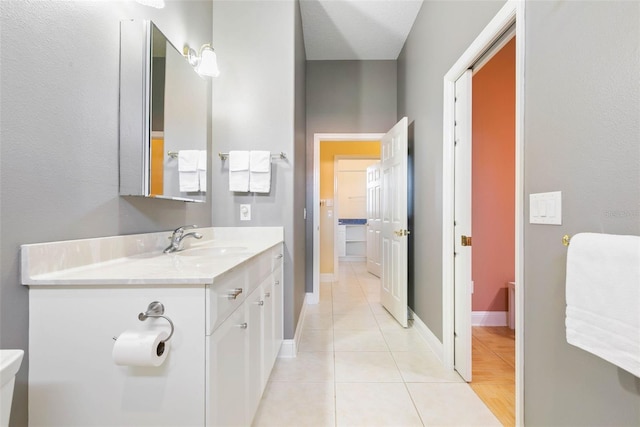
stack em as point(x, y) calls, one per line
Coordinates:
point(465, 240)
point(401, 233)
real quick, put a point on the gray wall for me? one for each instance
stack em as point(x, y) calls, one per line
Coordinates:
point(59, 125)
point(582, 137)
point(441, 33)
point(299, 189)
point(345, 97)
point(255, 107)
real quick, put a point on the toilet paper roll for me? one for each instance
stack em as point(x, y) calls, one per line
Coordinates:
point(141, 348)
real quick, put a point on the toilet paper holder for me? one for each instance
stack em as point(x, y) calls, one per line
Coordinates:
point(154, 310)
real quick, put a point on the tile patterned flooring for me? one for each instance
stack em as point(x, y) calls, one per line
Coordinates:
point(357, 366)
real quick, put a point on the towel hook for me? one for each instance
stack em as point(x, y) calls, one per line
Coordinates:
point(566, 239)
point(154, 310)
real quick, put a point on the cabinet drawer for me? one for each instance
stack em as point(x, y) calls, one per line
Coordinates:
point(225, 295)
point(259, 268)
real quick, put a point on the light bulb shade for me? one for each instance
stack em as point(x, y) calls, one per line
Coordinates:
point(208, 62)
point(158, 4)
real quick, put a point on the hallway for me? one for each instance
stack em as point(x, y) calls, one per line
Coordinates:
point(357, 367)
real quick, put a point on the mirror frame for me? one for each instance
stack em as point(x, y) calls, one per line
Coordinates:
point(135, 111)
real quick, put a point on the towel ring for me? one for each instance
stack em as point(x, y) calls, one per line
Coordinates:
point(154, 310)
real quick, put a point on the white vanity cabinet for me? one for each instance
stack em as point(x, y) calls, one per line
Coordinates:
point(228, 329)
point(243, 348)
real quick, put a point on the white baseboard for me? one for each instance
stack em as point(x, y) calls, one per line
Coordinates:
point(489, 318)
point(289, 347)
point(432, 341)
point(326, 277)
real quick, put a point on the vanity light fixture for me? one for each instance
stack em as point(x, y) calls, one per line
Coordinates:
point(158, 4)
point(205, 63)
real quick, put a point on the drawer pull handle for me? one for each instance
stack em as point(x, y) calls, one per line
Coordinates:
point(243, 325)
point(234, 293)
point(259, 302)
point(267, 294)
point(279, 256)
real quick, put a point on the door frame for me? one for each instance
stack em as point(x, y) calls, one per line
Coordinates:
point(513, 12)
point(313, 297)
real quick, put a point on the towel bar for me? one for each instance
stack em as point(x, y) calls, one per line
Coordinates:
point(281, 155)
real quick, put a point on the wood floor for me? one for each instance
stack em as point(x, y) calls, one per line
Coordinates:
point(493, 376)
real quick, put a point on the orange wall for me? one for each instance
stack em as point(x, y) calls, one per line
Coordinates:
point(328, 151)
point(493, 174)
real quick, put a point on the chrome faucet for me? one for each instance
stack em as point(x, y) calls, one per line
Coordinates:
point(178, 236)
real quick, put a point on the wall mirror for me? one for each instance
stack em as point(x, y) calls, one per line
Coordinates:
point(163, 118)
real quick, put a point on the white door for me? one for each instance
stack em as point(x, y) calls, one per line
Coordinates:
point(393, 294)
point(374, 221)
point(463, 286)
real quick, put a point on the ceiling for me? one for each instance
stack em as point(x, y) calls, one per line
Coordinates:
point(356, 29)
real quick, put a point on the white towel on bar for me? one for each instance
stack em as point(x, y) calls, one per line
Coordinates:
point(603, 297)
point(188, 170)
point(202, 169)
point(260, 172)
point(239, 171)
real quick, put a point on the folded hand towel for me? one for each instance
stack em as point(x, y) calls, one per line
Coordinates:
point(239, 171)
point(603, 297)
point(260, 172)
point(188, 160)
point(202, 169)
point(238, 161)
point(188, 170)
point(260, 161)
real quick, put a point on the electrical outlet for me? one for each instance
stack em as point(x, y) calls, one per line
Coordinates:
point(245, 212)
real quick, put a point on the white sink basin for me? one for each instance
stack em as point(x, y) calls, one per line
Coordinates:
point(10, 361)
point(214, 251)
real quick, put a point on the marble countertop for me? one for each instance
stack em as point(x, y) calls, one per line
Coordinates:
point(139, 260)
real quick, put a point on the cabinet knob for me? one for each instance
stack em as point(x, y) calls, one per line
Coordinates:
point(277, 282)
point(259, 302)
point(243, 325)
point(279, 256)
point(234, 293)
point(267, 294)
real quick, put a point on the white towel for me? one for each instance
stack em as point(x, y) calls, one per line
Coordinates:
point(260, 172)
point(188, 170)
point(239, 171)
point(603, 297)
point(202, 170)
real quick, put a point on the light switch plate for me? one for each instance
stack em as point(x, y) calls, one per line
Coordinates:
point(545, 208)
point(245, 212)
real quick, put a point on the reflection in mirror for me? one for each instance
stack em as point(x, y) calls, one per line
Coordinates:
point(169, 141)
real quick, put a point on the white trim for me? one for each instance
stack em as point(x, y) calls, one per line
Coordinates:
point(432, 341)
point(317, 138)
point(290, 347)
point(327, 278)
point(489, 318)
point(486, 57)
point(512, 12)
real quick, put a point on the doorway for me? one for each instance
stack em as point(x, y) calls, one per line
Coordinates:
point(458, 287)
point(493, 228)
point(344, 139)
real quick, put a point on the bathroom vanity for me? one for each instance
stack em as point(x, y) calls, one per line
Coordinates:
point(223, 294)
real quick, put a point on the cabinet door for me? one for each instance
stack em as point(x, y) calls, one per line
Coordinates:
point(269, 330)
point(228, 372)
point(255, 320)
point(277, 295)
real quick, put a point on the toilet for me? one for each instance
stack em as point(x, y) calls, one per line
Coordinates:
point(10, 361)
